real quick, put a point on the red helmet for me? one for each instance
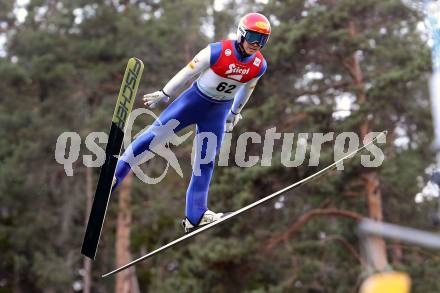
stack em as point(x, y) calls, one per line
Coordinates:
point(254, 28)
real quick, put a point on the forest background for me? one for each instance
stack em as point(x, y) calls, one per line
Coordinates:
point(333, 66)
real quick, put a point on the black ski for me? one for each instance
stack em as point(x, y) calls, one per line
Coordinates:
point(124, 104)
point(246, 208)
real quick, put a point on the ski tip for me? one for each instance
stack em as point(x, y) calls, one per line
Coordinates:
point(136, 60)
point(112, 272)
point(105, 275)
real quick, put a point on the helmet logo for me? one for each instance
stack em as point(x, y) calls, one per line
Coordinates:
point(262, 25)
point(228, 52)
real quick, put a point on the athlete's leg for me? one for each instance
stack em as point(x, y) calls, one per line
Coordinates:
point(197, 193)
point(181, 110)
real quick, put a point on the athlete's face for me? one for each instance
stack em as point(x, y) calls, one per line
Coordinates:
point(250, 48)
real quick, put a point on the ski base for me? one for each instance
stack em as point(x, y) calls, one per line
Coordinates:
point(124, 105)
point(244, 209)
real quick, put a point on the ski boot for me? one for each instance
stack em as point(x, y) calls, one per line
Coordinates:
point(207, 218)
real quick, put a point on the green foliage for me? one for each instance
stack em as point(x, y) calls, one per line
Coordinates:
point(62, 72)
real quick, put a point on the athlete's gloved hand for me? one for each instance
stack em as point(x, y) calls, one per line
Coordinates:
point(232, 120)
point(151, 100)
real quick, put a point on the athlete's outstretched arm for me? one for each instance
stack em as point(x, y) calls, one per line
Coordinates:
point(198, 64)
point(241, 98)
point(243, 95)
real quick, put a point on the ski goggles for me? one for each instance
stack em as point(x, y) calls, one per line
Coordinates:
point(256, 38)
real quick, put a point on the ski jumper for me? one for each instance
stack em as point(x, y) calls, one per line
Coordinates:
point(225, 82)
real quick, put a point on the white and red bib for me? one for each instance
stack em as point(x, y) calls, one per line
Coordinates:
point(224, 78)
